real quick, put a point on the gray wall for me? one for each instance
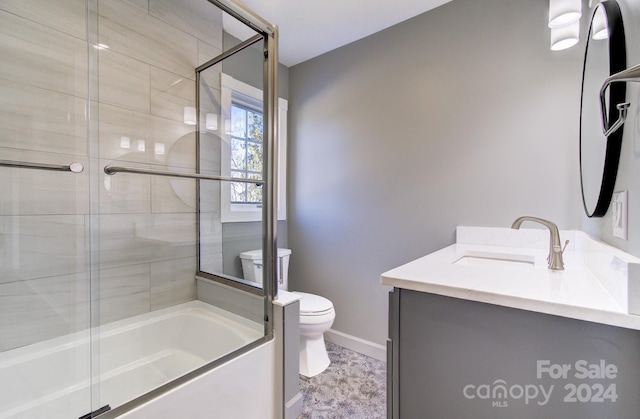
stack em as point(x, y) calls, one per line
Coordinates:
point(460, 116)
point(629, 171)
point(242, 66)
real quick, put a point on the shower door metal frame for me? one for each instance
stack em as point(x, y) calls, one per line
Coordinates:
point(269, 33)
point(219, 277)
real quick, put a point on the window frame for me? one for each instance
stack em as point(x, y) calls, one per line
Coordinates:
point(233, 90)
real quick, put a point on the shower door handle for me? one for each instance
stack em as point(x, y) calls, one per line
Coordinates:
point(112, 170)
point(74, 167)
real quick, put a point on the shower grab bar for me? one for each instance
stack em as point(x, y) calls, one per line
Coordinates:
point(74, 167)
point(112, 170)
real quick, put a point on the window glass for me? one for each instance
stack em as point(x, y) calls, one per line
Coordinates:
point(242, 151)
point(246, 153)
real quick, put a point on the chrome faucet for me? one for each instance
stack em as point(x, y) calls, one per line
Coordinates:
point(555, 249)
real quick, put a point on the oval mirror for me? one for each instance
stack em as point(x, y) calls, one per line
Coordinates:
point(604, 55)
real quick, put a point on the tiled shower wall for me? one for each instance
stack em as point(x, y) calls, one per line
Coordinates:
point(147, 225)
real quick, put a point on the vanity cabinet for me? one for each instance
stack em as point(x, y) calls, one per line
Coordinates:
point(455, 358)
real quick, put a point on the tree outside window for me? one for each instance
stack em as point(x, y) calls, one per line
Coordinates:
point(246, 153)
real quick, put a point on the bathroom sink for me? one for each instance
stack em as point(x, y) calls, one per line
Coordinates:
point(498, 260)
point(508, 267)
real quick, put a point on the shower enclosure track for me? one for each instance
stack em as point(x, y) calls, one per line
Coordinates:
point(74, 167)
point(112, 170)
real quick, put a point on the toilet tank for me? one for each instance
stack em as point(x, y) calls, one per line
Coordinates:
point(252, 266)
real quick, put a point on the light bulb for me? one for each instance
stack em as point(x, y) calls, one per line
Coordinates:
point(189, 115)
point(564, 12)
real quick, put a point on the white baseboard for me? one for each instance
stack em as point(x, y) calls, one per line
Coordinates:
point(293, 408)
point(356, 344)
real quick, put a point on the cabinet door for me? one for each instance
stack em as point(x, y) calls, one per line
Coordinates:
point(463, 359)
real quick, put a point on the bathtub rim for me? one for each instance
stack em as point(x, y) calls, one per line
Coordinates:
point(171, 385)
point(183, 379)
point(191, 308)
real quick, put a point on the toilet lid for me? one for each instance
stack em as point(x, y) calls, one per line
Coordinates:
point(311, 303)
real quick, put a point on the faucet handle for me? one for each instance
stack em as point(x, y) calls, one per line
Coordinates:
point(557, 248)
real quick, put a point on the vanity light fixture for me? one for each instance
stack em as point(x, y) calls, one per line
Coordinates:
point(564, 12)
point(211, 122)
point(565, 37)
point(599, 26)
point(189, 115)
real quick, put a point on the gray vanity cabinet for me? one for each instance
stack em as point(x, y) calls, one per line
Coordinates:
point(453, 358)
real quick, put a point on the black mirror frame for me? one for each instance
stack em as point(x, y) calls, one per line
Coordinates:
point(617, 94)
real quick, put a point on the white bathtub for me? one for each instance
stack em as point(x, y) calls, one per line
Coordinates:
point(51, 379)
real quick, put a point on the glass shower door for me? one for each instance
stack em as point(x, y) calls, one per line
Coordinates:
point(45, 275)
point(86, 84)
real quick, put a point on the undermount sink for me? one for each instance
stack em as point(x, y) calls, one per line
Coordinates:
point(498, 260)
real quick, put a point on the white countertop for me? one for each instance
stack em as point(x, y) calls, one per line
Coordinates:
point(285, 298)
point(590, 287)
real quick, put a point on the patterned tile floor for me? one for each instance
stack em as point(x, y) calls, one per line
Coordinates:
point(354, 386)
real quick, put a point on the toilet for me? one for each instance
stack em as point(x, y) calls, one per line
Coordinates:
point(316, 312)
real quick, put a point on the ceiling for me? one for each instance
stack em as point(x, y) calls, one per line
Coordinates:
point(309, 28)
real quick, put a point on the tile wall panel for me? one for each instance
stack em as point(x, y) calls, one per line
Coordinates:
point(138, 137)
point(143, 4)
point(39, 246)
point(170, 93)
point(124, 134)
point(124, 81)
point(209, 198)
point(212, 263)
point(210, 146)
point(210, 100)
point(211, 76)
point(41, 120)
point(208, 51)
point(34, 310)
point(195, 17)
point(172, 282)
point(211, 242)
point(67, 16)
point(39, 56)
point(178, 140)
point(173, 195)
point(125, 193)
point(33, 192)
point(124, 292)
point(130, 31)
point(143, 238)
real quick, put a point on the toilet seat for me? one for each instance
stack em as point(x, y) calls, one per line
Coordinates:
point(314, 305)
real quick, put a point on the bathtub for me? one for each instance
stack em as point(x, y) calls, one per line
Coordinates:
point(51, 379)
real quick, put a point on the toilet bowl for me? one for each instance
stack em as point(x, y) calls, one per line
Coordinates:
point(316, 313)
point(316, 317)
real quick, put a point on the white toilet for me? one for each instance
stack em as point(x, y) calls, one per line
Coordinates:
point(316, 313)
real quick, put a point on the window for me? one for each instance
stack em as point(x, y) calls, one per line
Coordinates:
point(246, 153)
point(242, 151)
